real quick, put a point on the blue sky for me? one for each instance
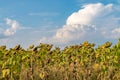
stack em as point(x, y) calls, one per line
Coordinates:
point(60, 22)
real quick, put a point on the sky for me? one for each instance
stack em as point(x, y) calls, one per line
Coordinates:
point(58, 22)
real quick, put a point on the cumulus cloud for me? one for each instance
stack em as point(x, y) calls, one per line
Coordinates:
point(13, 24)
point(11, 27)
point(112, 34)
point(88, 13)
point(73, 32)
point(92, 20)
point(115, 33)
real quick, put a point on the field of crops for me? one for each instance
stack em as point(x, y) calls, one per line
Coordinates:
point(76, 62)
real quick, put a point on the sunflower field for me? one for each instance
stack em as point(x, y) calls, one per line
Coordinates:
point(75, 62)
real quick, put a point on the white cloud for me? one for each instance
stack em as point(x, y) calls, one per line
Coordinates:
point(92, 20)
point(88, 12)
point(112, 34)
point(115, 33)
point(117, 30)
point(13, 24)
point(72, 32)
point(9, 28)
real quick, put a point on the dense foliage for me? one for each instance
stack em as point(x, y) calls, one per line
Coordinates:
point(77, 62)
